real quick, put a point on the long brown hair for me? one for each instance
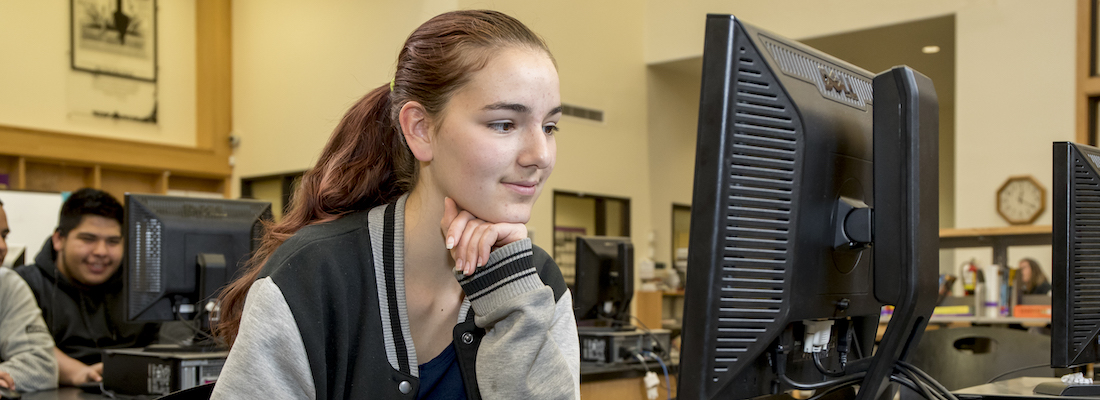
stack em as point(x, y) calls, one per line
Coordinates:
point(366, 161)
point(1037, 276)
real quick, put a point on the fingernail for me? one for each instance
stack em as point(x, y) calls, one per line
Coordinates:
point(450, 243)
point(459, 266)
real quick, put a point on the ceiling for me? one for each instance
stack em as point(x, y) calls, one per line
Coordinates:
point(878, 49)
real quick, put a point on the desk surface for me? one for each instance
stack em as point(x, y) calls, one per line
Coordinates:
point(1017, 388)
point(66, 393)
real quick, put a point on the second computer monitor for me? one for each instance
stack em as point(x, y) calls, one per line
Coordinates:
point(604, 281)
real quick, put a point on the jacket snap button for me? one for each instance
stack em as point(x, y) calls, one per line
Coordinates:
point(405, 387)
point(467, 338)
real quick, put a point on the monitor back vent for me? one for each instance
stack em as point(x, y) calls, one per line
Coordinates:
point(146, 282)
point(759, 195)
point(1084, 277)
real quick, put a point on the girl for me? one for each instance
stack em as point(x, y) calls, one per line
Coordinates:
point(403, 269)
point(1032, 278)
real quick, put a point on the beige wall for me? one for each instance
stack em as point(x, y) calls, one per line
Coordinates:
point(673, 102)
point(36, 80)
point(298, 66)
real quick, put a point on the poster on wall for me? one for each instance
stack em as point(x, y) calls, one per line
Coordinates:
point(114, 60)
point(115, 37)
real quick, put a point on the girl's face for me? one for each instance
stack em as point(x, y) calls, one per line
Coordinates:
point(494, 147)
point(1025, 271)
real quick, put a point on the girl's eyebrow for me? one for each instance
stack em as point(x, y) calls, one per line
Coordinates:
point(507, 106)
point(520, 108)
point(556, 110)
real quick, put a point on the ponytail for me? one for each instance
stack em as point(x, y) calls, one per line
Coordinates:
point(365, 163)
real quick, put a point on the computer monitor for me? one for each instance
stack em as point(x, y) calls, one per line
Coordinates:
point(604, 282)
point(180, 252)
point(1075, 302)
point(814, 204)
point(1075, 244)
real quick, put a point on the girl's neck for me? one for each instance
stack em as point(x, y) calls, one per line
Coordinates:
point(425, 251)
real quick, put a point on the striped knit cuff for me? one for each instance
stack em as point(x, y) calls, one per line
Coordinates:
point(509, 273)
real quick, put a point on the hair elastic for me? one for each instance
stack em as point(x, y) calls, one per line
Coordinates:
point(392, 81)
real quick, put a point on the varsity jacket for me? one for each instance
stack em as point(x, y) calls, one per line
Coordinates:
point(26, 348)
point(327, 320)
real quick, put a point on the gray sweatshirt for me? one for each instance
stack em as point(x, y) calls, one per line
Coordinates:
point(26, 347)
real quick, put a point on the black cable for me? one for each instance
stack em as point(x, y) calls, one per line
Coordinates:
point(855, 342)
point(1017, 370)
point(656, 343)
point(915, 386)
point(928, 378)
point(924, 390)
point(821, 367)
point(818, 396)
point(909, 384)
point(195, 327)
point(821, 385)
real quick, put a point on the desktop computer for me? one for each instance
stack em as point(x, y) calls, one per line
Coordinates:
point(159, 371)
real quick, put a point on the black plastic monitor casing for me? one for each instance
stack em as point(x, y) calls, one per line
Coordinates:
point(1075, 313)
point(604, 275)
point(795, 149)
point(180, 251)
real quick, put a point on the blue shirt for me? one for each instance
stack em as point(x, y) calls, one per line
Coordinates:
point(440, 378)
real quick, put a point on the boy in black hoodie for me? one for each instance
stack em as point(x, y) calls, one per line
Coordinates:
point(77, 281)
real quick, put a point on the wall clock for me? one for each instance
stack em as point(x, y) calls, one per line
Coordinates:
point(1021, 199)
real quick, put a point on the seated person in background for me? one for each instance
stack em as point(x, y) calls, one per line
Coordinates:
point(1032, 278)
point(27, 362)
point(78, 283)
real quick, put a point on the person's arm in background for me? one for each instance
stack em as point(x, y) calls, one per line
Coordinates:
point(75, 373)
point(26, 347)
point(5, 380)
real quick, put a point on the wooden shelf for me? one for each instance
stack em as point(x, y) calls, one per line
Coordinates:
point(998, 231)
point(1000, 238)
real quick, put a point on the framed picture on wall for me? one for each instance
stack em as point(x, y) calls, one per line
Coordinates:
point(115, 37)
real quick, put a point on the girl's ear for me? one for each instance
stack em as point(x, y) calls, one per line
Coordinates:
point(414, 125)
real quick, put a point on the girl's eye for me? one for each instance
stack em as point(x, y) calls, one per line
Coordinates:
point(550, 129)
point(502, 126)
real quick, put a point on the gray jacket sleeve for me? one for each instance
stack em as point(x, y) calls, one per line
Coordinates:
point(530, 349)
point(26, 347)
point(268, 359)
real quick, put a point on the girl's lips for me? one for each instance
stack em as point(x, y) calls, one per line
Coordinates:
point(523, 188)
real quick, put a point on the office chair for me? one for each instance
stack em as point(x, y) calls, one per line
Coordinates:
point(964, 357)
